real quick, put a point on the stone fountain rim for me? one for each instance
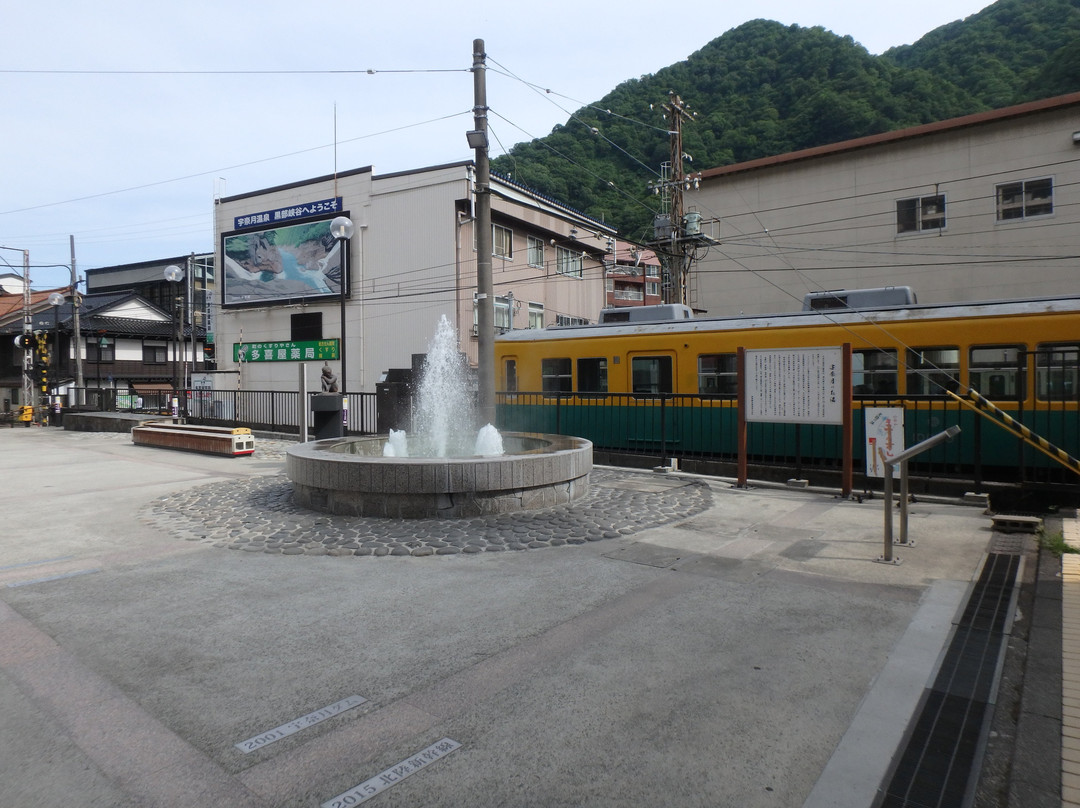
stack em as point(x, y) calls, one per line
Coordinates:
point(325, 450)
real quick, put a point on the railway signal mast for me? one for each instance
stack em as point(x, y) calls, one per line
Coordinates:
point(676, 234)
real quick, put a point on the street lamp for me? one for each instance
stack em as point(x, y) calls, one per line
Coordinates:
point(103, 343)
point(342, 229)
point(174, 274)
point(56, 300)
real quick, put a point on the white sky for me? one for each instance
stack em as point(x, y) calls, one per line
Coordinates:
point(130, 164)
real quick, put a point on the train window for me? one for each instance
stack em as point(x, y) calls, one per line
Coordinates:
point(874, 373)
point(592, 375)
point(933, 371)
point(510, 374)
point(718, 374)
point(1056, 372)
point(996, 371)
point(651, 374)
point(555, 374)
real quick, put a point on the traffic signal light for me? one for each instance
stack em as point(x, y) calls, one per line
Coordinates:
point(24, 341)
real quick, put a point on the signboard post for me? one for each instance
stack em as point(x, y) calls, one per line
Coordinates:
point(796, 386)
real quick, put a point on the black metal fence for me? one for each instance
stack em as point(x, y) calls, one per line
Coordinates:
point(263, 410)
point(686, 427)
point(705, 428)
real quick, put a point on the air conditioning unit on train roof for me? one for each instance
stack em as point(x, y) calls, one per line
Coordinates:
point(859, 298)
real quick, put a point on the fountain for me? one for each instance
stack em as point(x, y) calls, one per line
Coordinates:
point(447, 468)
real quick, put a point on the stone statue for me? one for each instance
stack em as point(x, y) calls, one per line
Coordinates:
point(329, 380)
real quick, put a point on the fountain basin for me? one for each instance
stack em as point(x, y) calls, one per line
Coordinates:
point(350, 476)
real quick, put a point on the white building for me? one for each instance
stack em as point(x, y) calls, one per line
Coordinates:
point(974, 208)
point(411, 261)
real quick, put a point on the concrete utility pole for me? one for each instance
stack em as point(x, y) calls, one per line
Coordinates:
point(485, 302)
point(77, 330)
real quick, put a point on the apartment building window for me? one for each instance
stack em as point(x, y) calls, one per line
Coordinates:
point(652, 271)
point(921, 213)
point(502, 241)
point(566, 319)
point(652, 288)
point(536, 315)
point(101, 350)
point(155, 353)
point(536, 251)
point(1022, 200)
point(500, 313)
point(567, 262)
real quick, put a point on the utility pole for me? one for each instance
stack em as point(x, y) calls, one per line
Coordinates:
point(485, 302)
point(77, 335)
point(671, 235)
point(27, 332)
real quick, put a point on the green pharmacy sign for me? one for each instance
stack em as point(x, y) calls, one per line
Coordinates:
point(311, 351)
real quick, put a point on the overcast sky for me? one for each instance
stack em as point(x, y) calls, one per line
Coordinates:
point(163, 106)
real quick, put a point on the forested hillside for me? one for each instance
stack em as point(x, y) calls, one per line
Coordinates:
point(765, 88)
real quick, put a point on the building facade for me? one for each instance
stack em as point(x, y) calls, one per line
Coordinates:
point(126, 346)
point(974, 208)
point(410, 261)
point(633, 278)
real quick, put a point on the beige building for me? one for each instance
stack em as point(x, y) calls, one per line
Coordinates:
point(411, 260)
point(974, 208)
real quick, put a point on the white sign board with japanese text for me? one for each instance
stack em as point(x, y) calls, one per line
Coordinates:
point(796, 385)
point(884, 431)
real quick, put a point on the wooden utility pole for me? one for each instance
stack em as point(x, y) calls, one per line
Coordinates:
point(680, 251)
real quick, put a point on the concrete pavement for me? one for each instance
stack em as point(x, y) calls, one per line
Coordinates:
point(741, 650)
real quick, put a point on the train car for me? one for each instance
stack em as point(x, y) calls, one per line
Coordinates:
point(1022, 355)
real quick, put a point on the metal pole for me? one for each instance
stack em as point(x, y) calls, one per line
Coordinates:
point(887, 556)
point(904, 506)
point(301, 410)
point(485, 299)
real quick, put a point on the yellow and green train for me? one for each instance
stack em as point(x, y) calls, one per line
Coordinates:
point(658, 380)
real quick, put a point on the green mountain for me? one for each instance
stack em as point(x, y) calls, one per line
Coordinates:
point(765, 88)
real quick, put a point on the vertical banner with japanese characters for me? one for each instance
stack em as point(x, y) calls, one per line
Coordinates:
point(884, 432)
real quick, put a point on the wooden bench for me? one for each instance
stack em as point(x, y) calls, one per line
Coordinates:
point(220, 440)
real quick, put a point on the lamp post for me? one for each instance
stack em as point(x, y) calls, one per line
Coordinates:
point(56, 300)
point(103, 343)
point(174, 274)
point(342, 229)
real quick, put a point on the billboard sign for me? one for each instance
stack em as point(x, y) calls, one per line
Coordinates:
point(281, 264)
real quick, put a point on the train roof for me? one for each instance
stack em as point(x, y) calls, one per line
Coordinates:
point(885, 314)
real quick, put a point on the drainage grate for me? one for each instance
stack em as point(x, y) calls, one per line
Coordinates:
point(939, 761)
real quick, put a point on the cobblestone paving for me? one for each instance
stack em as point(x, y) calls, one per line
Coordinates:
point(258, 515)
